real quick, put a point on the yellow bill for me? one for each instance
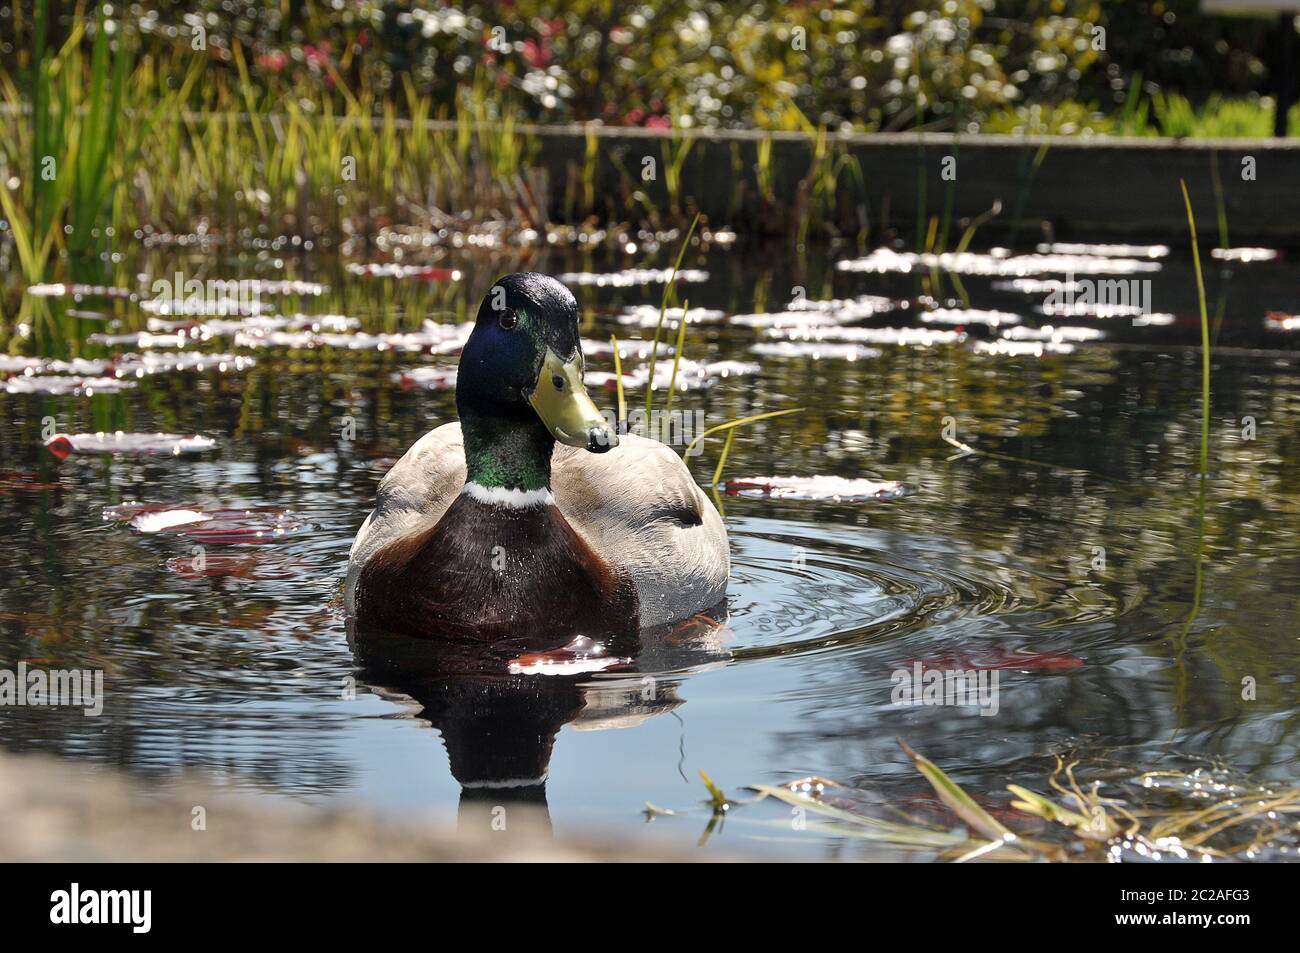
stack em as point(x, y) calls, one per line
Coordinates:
point(561, 401)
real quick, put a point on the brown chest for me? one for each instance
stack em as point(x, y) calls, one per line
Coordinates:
point(488, 572)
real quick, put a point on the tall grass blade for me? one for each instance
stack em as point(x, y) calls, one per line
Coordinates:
point(677, 355)
point(618, 381)
point(669, 288)
point(732, 424)
point(974, 816)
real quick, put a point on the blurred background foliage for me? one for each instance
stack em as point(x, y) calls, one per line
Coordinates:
point(265, 123)
point(1051, 66)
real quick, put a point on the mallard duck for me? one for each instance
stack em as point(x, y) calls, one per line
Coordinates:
point(532, 517)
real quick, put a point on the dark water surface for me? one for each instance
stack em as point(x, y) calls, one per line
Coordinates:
point(244, 670)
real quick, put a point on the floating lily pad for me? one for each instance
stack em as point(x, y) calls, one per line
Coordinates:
point(430, 378)
point(607, 380)
point(157, 521)
point(782, 320)
point(1053, 333)
point(204, 305)
point(1038, 286)
point(692, 375)
point(165, 362)
point(997, 263)
point(627, 350)
point(964, 316)
point(808, 313)
point(1104, 251)
point(78, 291)
point(88, 377)
point(1245, 255)
point(63, 445)
point(647, 316)
point(257, 524)
point(631, 277)
point(1091, 309)
point(836, 489)
point(1004, 348)
point(60, 385)
point(816, 350)
point(431, 338)
point(391, 270)
point(279, 286)
point(905, 337)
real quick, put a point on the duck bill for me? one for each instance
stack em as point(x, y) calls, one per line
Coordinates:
point(561, 401)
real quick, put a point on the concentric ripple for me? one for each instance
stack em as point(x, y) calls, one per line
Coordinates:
point(800, 587)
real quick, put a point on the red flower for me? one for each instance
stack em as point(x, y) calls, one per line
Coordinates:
point(537, 56)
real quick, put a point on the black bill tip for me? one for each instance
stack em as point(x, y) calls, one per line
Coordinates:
point(600, 439)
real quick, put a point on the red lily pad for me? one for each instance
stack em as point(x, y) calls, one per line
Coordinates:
point(1000, 659)
point(252, 566)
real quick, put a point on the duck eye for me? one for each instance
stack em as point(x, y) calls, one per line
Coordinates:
point(508, 320)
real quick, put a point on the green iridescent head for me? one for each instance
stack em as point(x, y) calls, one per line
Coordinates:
point(521, 375)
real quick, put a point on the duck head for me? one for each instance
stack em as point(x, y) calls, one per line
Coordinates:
point(519, 387)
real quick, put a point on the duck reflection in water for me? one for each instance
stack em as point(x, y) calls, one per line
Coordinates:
point(499, 707)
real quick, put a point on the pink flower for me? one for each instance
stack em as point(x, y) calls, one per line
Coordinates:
point(275, 60)
point(658, 122)
point(317, 55)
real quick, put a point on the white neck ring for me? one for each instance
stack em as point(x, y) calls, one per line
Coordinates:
point(514, 499)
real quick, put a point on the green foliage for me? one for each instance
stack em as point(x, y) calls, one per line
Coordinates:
point(868, 64)
point(1218, 118)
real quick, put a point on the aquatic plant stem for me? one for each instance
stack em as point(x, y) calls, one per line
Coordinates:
point(964, 243)
point(663, 307)
point(1205, 336)
point(730, 424)
point(722, 457)
point(1198, 584)
point(677, 355)
point(618, 382)
point(966, 450)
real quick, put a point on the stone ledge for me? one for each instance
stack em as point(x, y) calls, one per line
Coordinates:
point(51, 810)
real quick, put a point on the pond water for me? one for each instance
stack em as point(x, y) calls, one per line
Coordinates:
point(1061, 556)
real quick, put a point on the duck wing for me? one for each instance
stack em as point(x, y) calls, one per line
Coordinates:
point(412, 497)
point(638, 506)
